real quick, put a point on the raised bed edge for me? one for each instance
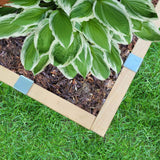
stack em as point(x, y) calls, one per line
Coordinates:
point(120, 88)
point(51, 100)
point(97, 124)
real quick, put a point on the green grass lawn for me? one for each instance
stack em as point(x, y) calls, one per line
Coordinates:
point(31, 131)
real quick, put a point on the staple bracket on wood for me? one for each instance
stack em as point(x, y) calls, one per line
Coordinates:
point(23, 85)
point(133, 62)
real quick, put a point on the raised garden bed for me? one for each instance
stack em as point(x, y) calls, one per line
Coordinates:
point(89, 94)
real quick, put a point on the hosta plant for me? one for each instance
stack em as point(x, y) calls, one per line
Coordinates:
point(77, 36)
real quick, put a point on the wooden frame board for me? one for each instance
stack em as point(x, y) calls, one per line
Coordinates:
point(97, 124)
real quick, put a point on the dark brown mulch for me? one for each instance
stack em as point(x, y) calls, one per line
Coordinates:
point(89, 94)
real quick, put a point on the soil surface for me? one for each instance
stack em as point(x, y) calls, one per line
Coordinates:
point(89, 94)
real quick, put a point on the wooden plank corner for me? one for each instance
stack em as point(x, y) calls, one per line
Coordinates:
point(97, 124)
point(51, 100)
point(120, 88)
point(112, 102)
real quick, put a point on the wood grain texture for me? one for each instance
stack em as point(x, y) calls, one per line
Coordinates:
point(51, 100)
point(141, 48)
point(7, 76)
point(87, 120)
point(120, 88)
point(62, 106)
point(113, 101)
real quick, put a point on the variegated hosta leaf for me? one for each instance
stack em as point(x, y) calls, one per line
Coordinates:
point(30, 16)
point(66, 5)
point(61, 56)
point(140, 8)
point(148, 32)
point(28, 29)
point(112, 13)
point(81, 10)
point(42, 63)
point(83, 62)
point(47, 1)
point(23, 3)
point(68, 71)
point(8, 10)
point(8, 29)
point(113, 58)
point(43, 37)
point(77, 36)
point(77, 26)
point(137, 24)
point(61, 27)
point(121, 38)
point(49, 4)
point(97, 33)
point(29, 54)
point(99, 68)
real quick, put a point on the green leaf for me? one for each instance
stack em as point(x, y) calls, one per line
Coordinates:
point(140, 8)
point(8, 10)
point(83, 62)
point(42, 63)
point(8, 29)
point(49, 4)
point(61, 27)
point(68, 71)
point(66, 5)
point(137, 24)
point(47, 1)
point(112, 13)
point(24, 3)
point(28, 29)
point(148, 32)
point(122, 39)
point(29, 55)
point(30, 16)
point(63, 56)
point(81, 10)
point(97, 33)
point(99, 67)
point(114, 58)
point(77, 26)
point(43, 37)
